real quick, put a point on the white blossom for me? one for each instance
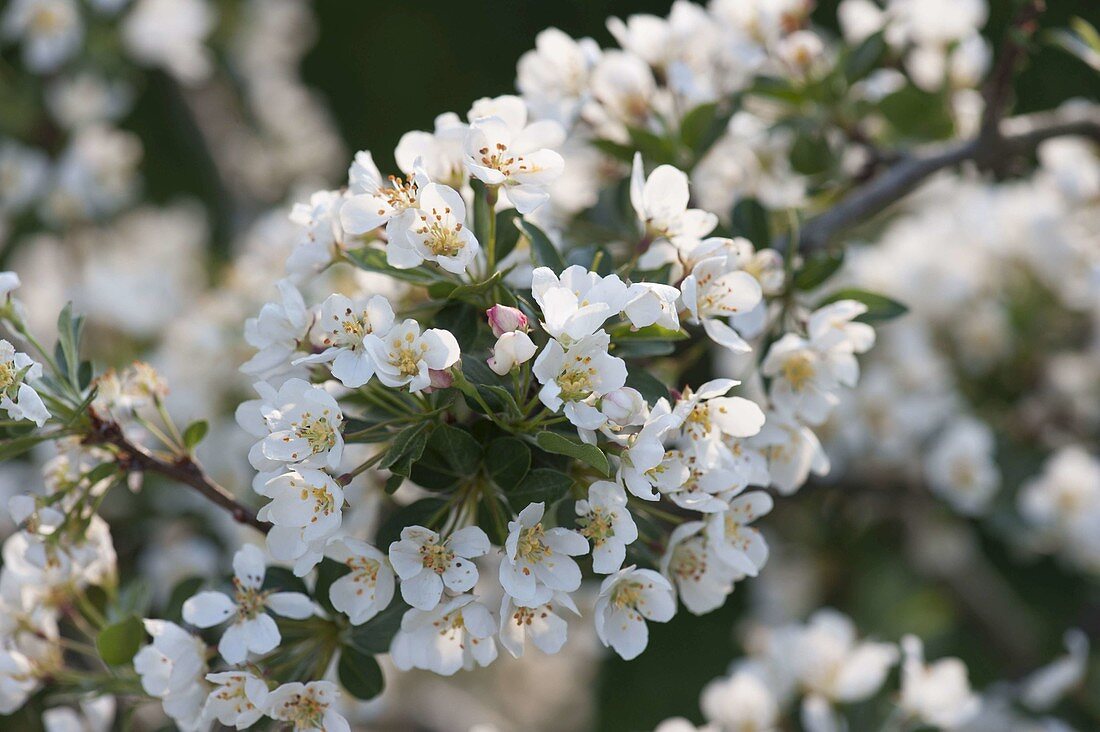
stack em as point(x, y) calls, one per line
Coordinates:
point(306, 509)
point(298, 424)
point(308, 707)
point(427, 564)
point(627, 599)
point(173, 669)
point(404, 356)
point(535, 556)
point(603, 519)
point(238, 698)
point(540, 621)
point(456, 634)
point(367, 588)
point(576, 376)
point(937, 694)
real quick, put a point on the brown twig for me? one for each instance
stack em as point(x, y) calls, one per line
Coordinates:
point(998, 85)
point(183, 470)
point(1016, 136)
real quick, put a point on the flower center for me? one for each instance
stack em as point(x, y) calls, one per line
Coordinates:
point(576, 380)
point(363, 569)
point(401, 194)
point(597, 526)
point(531, 546)
point(305, 712)
point(441, 239)
point(8, 374)
point(626, 595)
point(798, 369)
point(323, 501)
point(406, 356)
point(318, 432)
point(436, 557)
point(497, 158)
point(250, 602)
point(688, 564)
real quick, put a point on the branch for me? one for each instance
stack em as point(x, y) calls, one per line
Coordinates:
point(183, 470)
point(1015, 137)
point(998, 85)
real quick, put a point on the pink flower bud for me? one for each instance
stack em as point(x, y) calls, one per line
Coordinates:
point(440, 379)
point(503, 319)
point(624, 407)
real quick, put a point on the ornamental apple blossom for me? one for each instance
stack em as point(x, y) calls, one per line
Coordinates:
point(252, 629)
point(936, 694)
point(367, 588)
point(173, 669)
point(576, 303)
point(627, 599)
point(17, 397)
point(437, 232)
point(605, 521)
point(511, 350)
point(307, 707)
point(277, 331)
point(373, 201)
point(306, 509)
point(347, 325)
point(405, 356)
point(702, 581)
point(237, 700)
point(504, 149)
point(734, 542)
point(541, 621)
point(456, 634)
point(574, 377)
point(661, 203)
point(716, 290)
point(427, 564)
point(298, 424)
point(535, 556)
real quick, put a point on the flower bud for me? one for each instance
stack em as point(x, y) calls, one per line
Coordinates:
point(503, 319)
point(624, 406)
point(511, 350)
point(440, 379)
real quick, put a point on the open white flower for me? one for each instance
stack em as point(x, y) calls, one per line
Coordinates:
point(709, 417)
point(238, 698)
point(936, 694)
point(627, 599)
point(734, 542)
point(961, 467)
point(323, 237)
point(717, 290)
point(306, 509)
point(702, 582)
point(604, 520)
point(651, 303)
point(96, 714)
point(792, 451)
point(534, 556)
point(50, 30)
point(577, 376)
point(367, 589)
point(17, 397)
point(346, 325)
point(170, 34)
point(741, 703)
point(576, 303)
point(661, 203)
point(436, 232)
point(503, 149)
point(299, 423)
point(277, 331)
point(553, 77)
point(404, 356)
point(426, 563)
point(373, 201)
point(804, 384)
point(541, 621)
point(512, 349)
point(438, 153)
point(308, 707)
point(252, 630)
point(644, 467)
point(173, 669)
point(17, 680)
point(456, 634)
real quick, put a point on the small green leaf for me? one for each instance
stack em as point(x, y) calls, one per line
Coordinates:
point(393, 483)
point(417, 513)
point(508, 459)
point(543, 250)
point(541, 485)
point(283, 580)
point(407, 447)
point(184, 589)
point(118, 643)
point(648, 385)
point(194, 433)
point(375, 635)
point(863, 59)
point(810, 153)
point(817, 270)
point(359, 674)
point(915, 113)
point(374, 260)
point(624, 153)
point(559, 444)
point(655, 149)
point(750, 220)
point(473, 292)
point(457, 447)
point(507, 232)
point(879, 307)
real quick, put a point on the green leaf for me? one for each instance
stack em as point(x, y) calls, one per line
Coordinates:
point(19, 445)
point(810, 153)
point(508, 459)
point(473, 292)
point(328, 571)
point(750, 220)
point(817, 270)
point(702, 126)
point(492, 517)
point(393, 483)
point(374, 260)
point(647, 385)
point(617, 150)
point(541, 485)
point(417, 513)
point(194, 433)
point(507, 232)
point(359, 673)
point(642, 349)
point(625, 331)
point(863, 59)
point(559, 444)
point(375, 635)
point(655, 149)
point(68, 342)
point(184, 589)
point(592, 257)
point(913, 112)
point(480, 212)
point(407, 447)
point(543, 250)
point(879, 307)
point(776, 88)
point(458, 449)
point(282, 579)
point(118, 643)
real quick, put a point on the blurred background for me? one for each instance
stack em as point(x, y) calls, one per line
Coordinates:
point(382, 69)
